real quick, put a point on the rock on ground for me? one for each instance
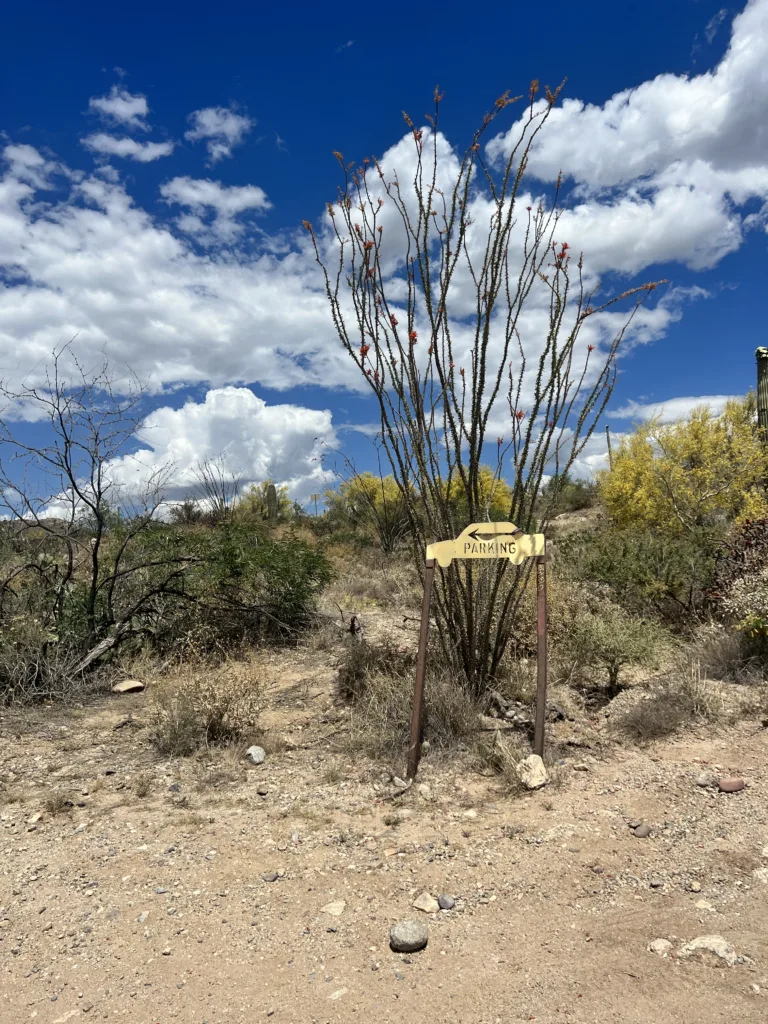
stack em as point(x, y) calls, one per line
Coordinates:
point(427, 903)
point(128, 686)
point(711, 949)
point(731, 785)
point(256, 755)
point(661, 947)
point(532, 773)
point(408, 936)
point(335, 909)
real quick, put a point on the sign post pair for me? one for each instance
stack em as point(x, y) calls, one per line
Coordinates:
point(484, 540)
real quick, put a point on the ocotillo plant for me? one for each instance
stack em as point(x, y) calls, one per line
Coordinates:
point(272, 505)
point(453, 292)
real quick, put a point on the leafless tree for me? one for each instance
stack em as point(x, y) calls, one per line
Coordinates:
point(73, 520)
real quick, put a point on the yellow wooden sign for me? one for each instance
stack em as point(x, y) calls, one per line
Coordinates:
point(488, 540)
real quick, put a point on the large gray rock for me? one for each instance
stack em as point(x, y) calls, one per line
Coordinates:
point(408, 936)
point(532, 773)
point(256, 755)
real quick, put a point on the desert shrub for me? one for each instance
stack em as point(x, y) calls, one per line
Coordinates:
point(377, 680)
point(243, 587)
point(361, 661)
point(252, 505)
point(371, 503)
point(562, 493)
point(705, 471)
point(494, 497)
point(746, 603)
point(205, 707)
point(725, 654)
point(684, 698)
point(645, 571)
point(36, 663)
point(603, 637)
point(58, 803)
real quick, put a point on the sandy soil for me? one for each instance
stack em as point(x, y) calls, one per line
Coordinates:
point(149, 900)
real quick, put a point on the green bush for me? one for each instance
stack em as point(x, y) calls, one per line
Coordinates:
point(606, 638)
point(645, 572)
point(739, 592)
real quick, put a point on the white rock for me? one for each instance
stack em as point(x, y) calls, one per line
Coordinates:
point(256, 755)
point(128, 686)
point(532, 773)
point(704, 905)
point(335, 909)
point(761, 875)
point(399, 783)
point(33, 820)
point(715, 945)
point(661, 947)
point(764, 852)
point(427, 903)
point(424, 791)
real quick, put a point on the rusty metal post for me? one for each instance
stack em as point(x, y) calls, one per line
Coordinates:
point(417, 713)
point(541, 652)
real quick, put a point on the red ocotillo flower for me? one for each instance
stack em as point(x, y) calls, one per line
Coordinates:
point(393, 320)
point(413, 337)
point(364, 350)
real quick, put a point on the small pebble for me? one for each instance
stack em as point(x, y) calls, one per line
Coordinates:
point(446, 902)
point(642, 831)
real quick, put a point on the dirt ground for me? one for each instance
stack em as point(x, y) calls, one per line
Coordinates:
point(194, 889)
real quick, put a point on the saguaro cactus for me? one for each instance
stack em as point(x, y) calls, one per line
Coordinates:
point(761, 355)
point(272, 505)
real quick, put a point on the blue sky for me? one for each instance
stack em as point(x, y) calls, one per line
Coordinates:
point(158, 163)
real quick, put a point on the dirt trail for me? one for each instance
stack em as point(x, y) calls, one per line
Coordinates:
point(155, 907)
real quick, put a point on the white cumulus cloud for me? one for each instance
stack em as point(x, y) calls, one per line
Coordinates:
point(672, 409)
point(204, 197)
point(122, 107)
point(222, 128)
point(143, 152)
point(253, 440)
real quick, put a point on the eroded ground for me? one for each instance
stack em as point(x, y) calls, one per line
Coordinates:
point(150, 899)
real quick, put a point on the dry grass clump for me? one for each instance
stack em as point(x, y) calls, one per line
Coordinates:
point(684, 698)
point(206, 706)
point(58, 803)
point(370, 579)
point(726, 654)
point(500, 753)
point(377, 680)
